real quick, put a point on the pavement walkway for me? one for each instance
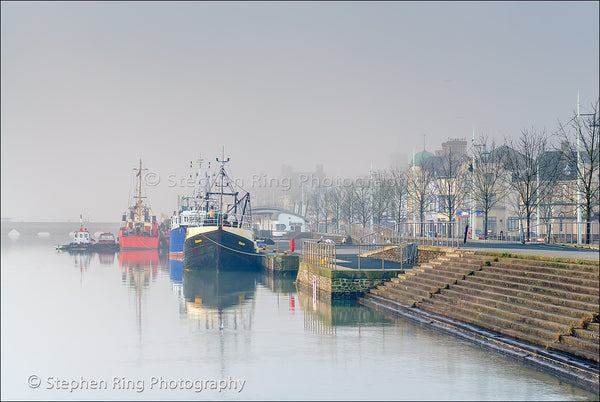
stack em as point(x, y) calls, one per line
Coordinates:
point(534, 249)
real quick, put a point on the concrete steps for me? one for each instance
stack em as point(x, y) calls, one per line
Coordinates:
point(581, 286)
point(528, 311)
point(475, 285)
point(522, 332)
point(434, 277)
point(544, 273)
point(541, 302)
point(546, 289)
point(548, 265)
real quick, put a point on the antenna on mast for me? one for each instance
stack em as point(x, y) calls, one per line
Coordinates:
point(139, 175)
point(222, 161)
point(138, 205)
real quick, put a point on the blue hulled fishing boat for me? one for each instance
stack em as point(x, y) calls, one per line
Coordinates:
point(190, 210)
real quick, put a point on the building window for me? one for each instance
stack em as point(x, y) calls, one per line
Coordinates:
point(512, 223)
point(491, 225)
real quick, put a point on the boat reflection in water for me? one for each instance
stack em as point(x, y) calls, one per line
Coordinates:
point(138, 268)
point(139, 265)
point(222, 299)
point(176, 272)
point(107, 257)
point(81, 259)
point(176, 276)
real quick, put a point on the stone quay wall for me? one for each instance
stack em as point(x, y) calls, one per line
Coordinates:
point(281, 264)
point(340, 284)
point(429, 253)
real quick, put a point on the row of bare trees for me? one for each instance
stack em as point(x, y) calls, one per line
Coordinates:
point(532, 175)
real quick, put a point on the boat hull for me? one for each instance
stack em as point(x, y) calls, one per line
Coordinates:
point(213, 247)
point(177, 238)
point(138, 242)
point(106, 247)
point(79, 247)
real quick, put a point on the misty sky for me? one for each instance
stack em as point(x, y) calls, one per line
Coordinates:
point(89, 88)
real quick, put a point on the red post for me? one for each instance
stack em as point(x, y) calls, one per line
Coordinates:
point(292, 245)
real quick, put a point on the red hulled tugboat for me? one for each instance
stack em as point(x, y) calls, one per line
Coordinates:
point(140, 230)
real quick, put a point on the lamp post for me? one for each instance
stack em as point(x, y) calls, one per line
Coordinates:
point(578, 170)
point(593, 124)
point(473, 189)
point(538, 201)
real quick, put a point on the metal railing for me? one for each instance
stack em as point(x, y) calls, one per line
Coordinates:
point(320, 253)
point(201, 218)
point(445, 234)
point(403, 253)
point(552, 232)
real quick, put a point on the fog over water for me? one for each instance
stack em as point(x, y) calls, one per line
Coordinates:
point(143, 328)
point(89, 88)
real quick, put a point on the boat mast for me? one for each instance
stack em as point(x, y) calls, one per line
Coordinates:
point(139, 203)
point(197, 182)
point(222, 161)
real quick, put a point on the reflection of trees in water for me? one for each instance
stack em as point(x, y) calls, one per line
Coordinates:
point(323, 317)
point(220, 299)
point(312, 323)
point(278, 284)
point(317, 314)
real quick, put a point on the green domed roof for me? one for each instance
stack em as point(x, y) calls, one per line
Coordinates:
point(420, 157)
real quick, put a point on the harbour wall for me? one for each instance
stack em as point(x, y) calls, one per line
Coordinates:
point(281, 264)
point(340, 284)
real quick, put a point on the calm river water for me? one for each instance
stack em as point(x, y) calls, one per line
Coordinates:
point(134, 326)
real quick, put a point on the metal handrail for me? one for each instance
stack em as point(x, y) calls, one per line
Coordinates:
point(425, 233)
point(320, 253)
point(366, 248)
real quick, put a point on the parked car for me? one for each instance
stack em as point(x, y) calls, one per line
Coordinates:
point(478, 234)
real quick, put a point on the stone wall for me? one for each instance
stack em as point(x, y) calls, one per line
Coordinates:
point(304, 280)
point(353, 287)
point(428, 253)
point(341, 284)
point(281, 264)
point(409, 253)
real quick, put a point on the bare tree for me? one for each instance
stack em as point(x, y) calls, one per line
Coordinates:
point(381, 191)
point(487, 178)
point(347, 206)
point(335, 196)
point(325, 207)
point(362, 202)
point(450, 182)
point(531, 173)
point(314, 207)
point(584, 159)
point(398, 193)
point(420, 180)
point(546, 208)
